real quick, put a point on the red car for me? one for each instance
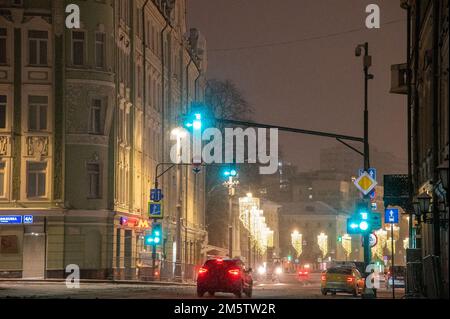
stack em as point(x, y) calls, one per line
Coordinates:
point(224, 275)
point(303, 275)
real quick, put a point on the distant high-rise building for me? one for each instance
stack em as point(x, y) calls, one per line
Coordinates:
point(343, 160)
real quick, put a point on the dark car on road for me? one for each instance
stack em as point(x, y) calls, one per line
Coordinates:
point(224, 275)
point(395, 276)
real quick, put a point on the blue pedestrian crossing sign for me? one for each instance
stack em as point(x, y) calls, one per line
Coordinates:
point(391, 216)
point(28, 219)
point(155, 210)
point(156, 195)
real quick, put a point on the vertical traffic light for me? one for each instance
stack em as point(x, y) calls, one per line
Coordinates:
point(157, 233)
point(359, 223)
point(155, 237)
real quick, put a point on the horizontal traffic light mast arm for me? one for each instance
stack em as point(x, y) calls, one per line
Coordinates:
point(172, 165)
point(293, 130)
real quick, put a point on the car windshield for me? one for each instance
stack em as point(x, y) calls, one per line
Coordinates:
point(341, 271)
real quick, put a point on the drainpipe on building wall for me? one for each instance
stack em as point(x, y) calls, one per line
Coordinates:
point(435, 146)
point(144, 50)
point(163, 98)
point(409, 100)
point(177, 272)
point(163, 90)
point(415, 124)
point(435, 128)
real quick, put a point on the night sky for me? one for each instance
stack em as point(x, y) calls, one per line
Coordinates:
point(294, 61)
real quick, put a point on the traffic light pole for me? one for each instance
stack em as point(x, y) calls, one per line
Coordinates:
point(153, 261)
point(230, 226)
point(367, 62)
point(367, 76)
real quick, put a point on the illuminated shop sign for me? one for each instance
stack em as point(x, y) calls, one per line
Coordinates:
point(135, 222)
point(16, 219)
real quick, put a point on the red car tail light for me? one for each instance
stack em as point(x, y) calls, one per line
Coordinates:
point(202, 271)
point(300, 273)
point(219, 260)
point(350, 279)
point(234, 272)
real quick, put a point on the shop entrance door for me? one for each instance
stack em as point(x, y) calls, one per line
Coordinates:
point(33, 255)
point(128, 254)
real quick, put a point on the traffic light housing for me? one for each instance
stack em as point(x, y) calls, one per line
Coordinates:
point(230, 172)
point(157, 233)
point(197, 118)
point(360, 222)
point(155, 238)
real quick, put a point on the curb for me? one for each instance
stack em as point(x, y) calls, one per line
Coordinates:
point(94, 281)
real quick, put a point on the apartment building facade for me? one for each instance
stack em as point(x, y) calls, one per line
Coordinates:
point(85, 117)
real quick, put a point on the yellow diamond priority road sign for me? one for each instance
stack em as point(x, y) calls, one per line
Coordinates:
point(365, 183)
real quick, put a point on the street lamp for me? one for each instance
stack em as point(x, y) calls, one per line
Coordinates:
point(231, 183)
point(180, 134)
point(443, 174)
point(422, 206)
point(424, 203)
point(417, 211)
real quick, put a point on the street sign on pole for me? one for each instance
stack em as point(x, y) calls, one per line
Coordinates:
point(372, 172)
point(156, 195)
point(373, 240)
point(196, 169)
point(365, 183)
point(155, 210)
point(375, 220)
point(28, 219)
point(391, 216)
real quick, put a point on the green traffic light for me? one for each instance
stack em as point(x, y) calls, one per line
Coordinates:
point(364, 226)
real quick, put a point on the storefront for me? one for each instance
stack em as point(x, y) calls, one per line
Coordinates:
point(22, 246)
point(132, 261)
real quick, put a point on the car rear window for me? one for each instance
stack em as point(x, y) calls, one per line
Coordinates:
point(225, 263)
point(341, 271)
